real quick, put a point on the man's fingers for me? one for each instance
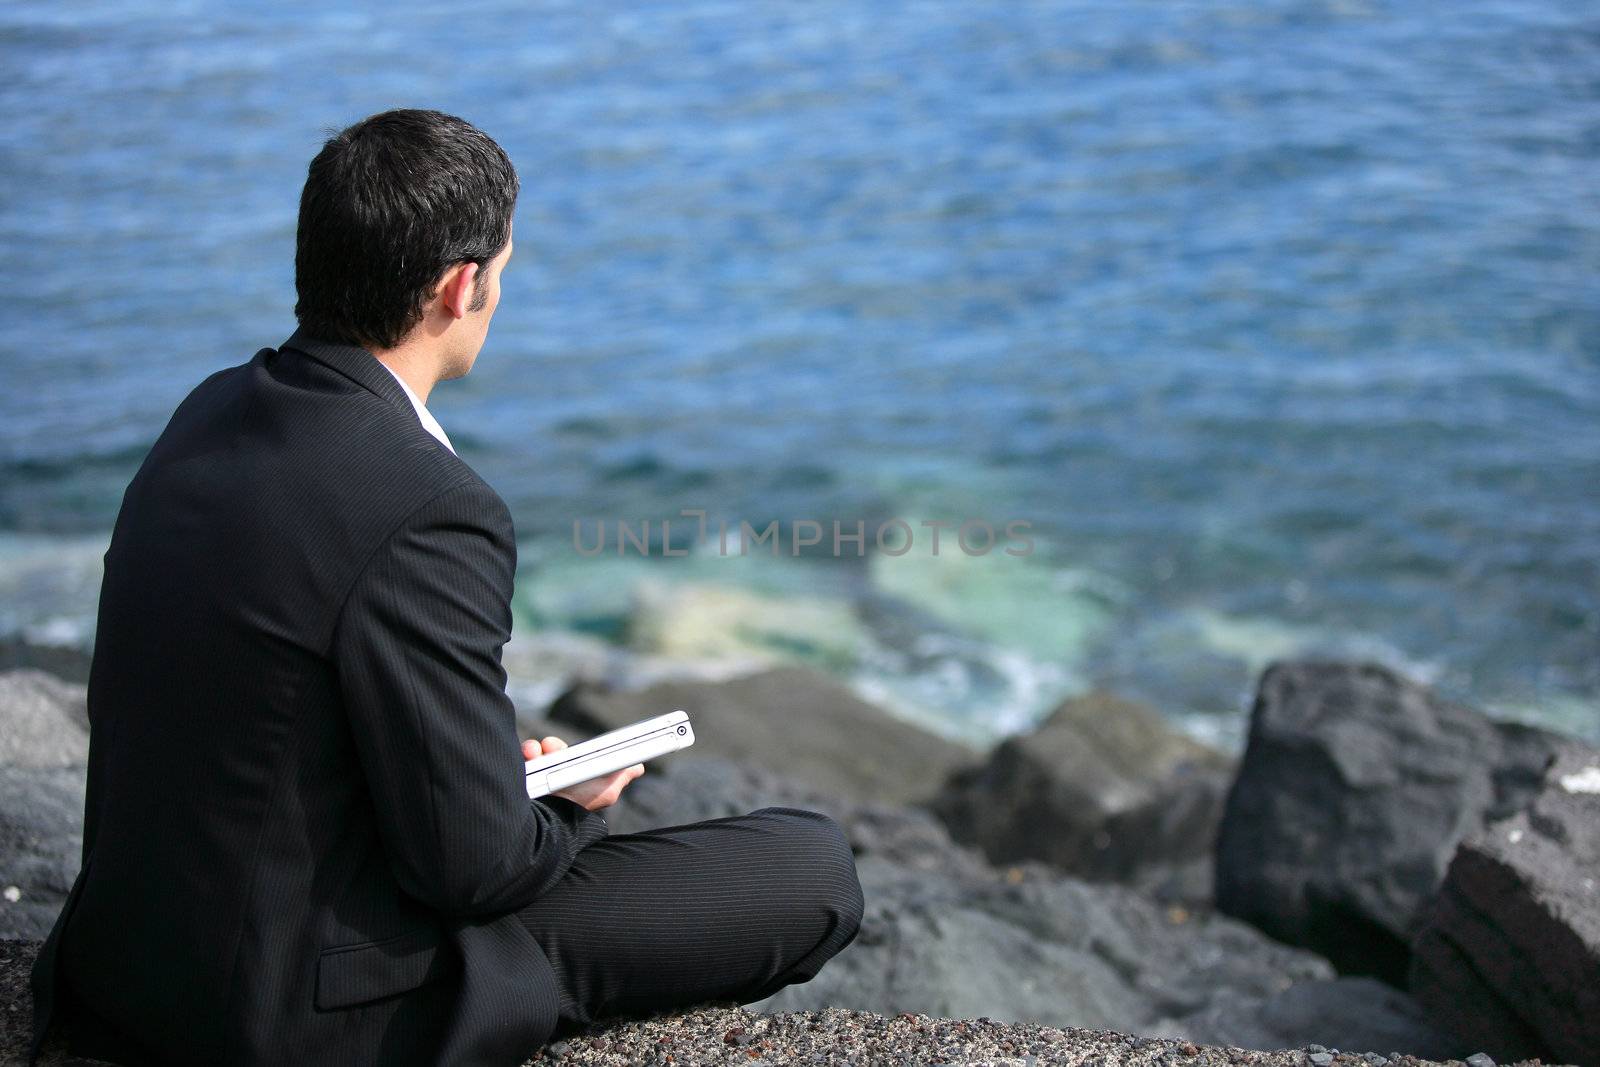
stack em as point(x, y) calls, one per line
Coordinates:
point(614, 783)
point(620, 781)
point(532, 749)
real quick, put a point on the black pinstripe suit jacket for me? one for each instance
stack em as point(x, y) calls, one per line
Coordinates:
point(306, 828)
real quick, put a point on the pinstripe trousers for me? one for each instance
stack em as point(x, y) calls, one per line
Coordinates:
point(733, 908)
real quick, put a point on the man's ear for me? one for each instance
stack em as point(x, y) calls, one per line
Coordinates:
point(456, 290)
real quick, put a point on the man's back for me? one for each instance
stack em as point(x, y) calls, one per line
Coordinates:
point(306, 836)
point(236, 822)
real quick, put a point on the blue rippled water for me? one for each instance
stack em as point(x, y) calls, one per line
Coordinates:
point(1279, 321)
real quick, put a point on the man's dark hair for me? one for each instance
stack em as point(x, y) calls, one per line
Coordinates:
point(390, 204)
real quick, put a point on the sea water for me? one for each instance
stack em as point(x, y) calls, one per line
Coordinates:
point(1277, 323)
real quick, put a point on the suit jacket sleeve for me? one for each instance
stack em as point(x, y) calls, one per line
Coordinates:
point(417, 649)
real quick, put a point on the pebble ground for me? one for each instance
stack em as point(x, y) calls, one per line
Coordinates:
point(728, 1034)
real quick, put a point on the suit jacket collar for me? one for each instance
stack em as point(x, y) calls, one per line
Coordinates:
point(354, 362)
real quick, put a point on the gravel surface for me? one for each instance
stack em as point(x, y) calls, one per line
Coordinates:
point(728, 1034)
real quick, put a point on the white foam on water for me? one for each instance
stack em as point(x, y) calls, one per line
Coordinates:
point(1568, 713)
point(50, 586)
point(966, 670)
point(1053, 614)
point(994, 642)
point(1259, 640)
point(1585, 781)
point(1224, 732)
point(948, 697)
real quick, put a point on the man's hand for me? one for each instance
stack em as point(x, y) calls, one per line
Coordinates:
point(594, 794)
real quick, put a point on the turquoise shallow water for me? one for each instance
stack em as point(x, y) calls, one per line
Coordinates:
point(1279, 322)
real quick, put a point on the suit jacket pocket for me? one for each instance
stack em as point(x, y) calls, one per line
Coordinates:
point(348, 975)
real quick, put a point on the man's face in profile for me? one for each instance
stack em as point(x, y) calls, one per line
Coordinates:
point(473, 329)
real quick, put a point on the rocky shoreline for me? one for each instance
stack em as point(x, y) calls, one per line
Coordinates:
point(1351, 882)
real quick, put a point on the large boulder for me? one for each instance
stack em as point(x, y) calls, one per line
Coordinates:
point(44, 744)
point(1355, 788)
point(1356, 1013)
point(947, 932)
point(699, 787)
point(791, 720)
point(1028, 944)
point(41, 846)
point(1103, 788)
point(1508, 955)
point(45, 721)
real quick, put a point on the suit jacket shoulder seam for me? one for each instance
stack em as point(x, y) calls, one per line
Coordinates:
point(332, 629)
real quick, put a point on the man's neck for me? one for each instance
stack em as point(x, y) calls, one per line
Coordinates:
point(419, 371)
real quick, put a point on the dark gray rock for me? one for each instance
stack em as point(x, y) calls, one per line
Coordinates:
point(44, 722)
point(1443, 976)
point(1508, 955)
point(41, 846)
point(1353, 1013)
point(1176, 960)
point(789, 720)
point(698, 787)
point(44, 744)
point(925, 945)
point(1355, 788)
point(1188, 883)
point(1031, 945)
point(1103, 789)
point(947, 932)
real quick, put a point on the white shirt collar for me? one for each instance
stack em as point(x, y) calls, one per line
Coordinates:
point(429, 423)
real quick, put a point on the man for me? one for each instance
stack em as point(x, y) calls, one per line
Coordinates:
point(306, 836)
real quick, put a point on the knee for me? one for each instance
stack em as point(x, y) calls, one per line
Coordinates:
point(824, 843)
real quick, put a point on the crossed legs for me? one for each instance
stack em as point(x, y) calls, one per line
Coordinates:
point(734, 909)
